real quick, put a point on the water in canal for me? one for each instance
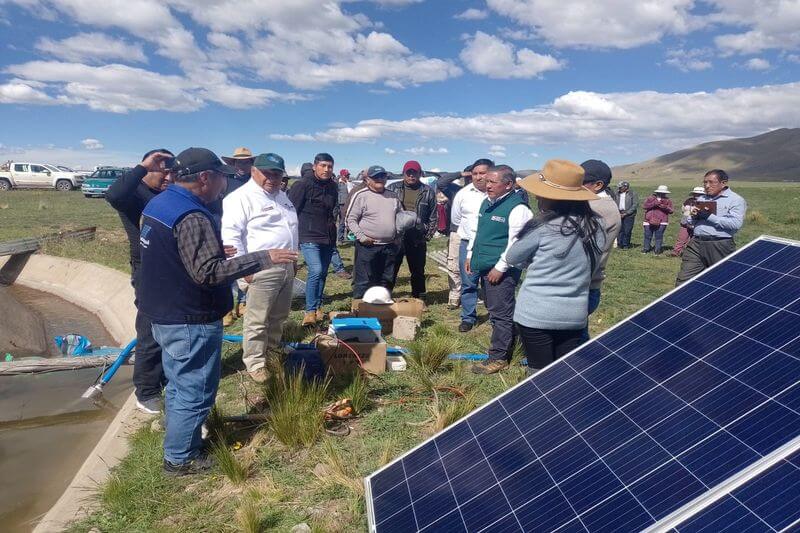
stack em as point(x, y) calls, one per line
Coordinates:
point(46, 429)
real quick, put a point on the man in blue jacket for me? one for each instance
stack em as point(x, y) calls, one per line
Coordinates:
point(185, 292)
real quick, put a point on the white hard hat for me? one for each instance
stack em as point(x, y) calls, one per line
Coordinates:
point(662, 189)
point(378, 295)
point(698, 190)
point(405, 220)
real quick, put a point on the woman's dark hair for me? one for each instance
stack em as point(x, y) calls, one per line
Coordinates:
point(580, 222)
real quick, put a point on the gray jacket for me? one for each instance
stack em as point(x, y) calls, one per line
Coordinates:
point(631, 201)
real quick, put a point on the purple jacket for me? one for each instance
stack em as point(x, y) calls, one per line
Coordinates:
point(655, 212)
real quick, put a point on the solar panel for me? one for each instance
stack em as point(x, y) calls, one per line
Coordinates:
point(655, 415)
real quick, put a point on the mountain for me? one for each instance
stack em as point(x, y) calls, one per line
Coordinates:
point(771, 156)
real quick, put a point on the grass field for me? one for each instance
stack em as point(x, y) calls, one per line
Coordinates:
point(266, 485)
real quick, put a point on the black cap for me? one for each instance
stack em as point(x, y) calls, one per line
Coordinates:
point(194, 160)
point(595, 170)
point(376, 170)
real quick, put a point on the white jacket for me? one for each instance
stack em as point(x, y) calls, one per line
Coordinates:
point(254, 220)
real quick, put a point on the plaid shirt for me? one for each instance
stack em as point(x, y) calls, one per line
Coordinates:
point(203, 257)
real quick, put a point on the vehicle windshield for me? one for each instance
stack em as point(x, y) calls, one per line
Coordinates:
point(65, 169)
point(51, 168)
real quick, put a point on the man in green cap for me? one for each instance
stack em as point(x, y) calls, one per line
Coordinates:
point(260, 216)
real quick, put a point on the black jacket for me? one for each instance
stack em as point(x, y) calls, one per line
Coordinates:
point(427, 215)
point(128, 196)
point(315, 201)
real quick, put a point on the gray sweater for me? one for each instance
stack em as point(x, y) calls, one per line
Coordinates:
point(372, 215)
point(555, 291)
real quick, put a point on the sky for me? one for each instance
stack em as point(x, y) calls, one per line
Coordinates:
point(91, 82)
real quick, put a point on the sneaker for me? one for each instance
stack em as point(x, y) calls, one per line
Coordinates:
point(199, 465)
point(241, 309)
point(491, 366)
point(228, 319)
point(151, 406)
point(259, 375)
point(465, 327)
point(310, 318)
point(344, 274)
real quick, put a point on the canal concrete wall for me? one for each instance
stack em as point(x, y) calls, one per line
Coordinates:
point(108, 294)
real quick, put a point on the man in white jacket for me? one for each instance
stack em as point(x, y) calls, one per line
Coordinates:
point(260, 216)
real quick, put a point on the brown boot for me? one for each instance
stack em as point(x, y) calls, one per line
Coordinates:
point(228, 319)
point(310, 318)
point(320, 315)
point(259, 375)
point(241, 309)
point(489, 367)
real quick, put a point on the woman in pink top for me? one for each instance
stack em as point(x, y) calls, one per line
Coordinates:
point(657, 208)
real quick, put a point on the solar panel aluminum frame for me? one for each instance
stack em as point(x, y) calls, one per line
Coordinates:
point(700, 501)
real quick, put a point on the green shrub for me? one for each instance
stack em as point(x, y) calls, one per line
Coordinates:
point(358, 392)
point(295, 405)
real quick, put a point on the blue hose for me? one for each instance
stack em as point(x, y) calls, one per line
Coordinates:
point(232, 338)
point(121, 359)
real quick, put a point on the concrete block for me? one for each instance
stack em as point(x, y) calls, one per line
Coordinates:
point(405, 327)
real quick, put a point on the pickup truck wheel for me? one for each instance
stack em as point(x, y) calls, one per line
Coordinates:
point(5, 185)
point(63, 185)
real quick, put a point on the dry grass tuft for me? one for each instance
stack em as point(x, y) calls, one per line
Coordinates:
point(295, 404)
point(756, 217)
point(336, 472)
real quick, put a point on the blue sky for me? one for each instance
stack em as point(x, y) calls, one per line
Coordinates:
point(86, 82)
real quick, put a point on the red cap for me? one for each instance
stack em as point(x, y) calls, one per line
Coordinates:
point(344, 172)
point(412, 165)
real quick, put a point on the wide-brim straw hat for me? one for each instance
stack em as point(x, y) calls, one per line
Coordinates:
point(558, 180)
point(240, 153)
point(662, 189)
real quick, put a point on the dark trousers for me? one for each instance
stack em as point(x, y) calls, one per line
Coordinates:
point(625, 230)
point(700, 254)
point(500, 301)
point(373, 265)
point(414, 248)
point(148, 373)
point(543, 346)
point(341, 230)
point(651, 231)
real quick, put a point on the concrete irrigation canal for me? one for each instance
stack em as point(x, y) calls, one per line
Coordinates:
point(54, 445)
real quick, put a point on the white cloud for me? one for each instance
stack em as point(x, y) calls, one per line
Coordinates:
point(617, 23)
point(757, 63)
point(299, 137)
point(692, 60)
point(390, 151)
point(488, 55)
point(767, 24)
point(92, 144)
point(472, 14)
point(425, 150)
point(92, 47)
point(599, 119)
point(497, 150)
point(22, 92)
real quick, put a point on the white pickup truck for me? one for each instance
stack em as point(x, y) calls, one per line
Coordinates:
point(15, 175)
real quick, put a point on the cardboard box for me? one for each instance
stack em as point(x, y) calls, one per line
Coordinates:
point(340, 360)
point(413, 307)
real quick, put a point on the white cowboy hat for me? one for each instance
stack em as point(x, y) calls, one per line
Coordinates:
point(698, 190)
point(661, 189)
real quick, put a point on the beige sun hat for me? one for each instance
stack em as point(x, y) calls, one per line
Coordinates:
point(662, 189)
point(558, 180)
point(240, 153)
point(698, 190)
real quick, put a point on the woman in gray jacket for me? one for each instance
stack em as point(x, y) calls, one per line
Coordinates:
point(561, 247)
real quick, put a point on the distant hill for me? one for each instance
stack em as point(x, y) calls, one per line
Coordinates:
point(771, 156)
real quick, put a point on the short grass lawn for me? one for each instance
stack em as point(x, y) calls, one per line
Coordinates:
point(263, 484)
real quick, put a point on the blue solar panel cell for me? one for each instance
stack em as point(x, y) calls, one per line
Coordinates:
point(632, 426)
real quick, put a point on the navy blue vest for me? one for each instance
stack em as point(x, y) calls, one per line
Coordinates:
point(167, 294)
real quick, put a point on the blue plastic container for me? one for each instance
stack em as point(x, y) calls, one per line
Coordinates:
point(357, 329)
point(307, 357)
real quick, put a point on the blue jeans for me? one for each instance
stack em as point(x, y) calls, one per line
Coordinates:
point(318, 259)
point(336, 261)
point(191, 358)
point(649, 232)
point(469, 287)
point(594, 303)
point(239, 296)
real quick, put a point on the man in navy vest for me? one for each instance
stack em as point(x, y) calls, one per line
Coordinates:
point(185, 291)
point(502, 216)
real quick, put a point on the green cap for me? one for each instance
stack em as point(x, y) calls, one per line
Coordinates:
point(269, 162)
